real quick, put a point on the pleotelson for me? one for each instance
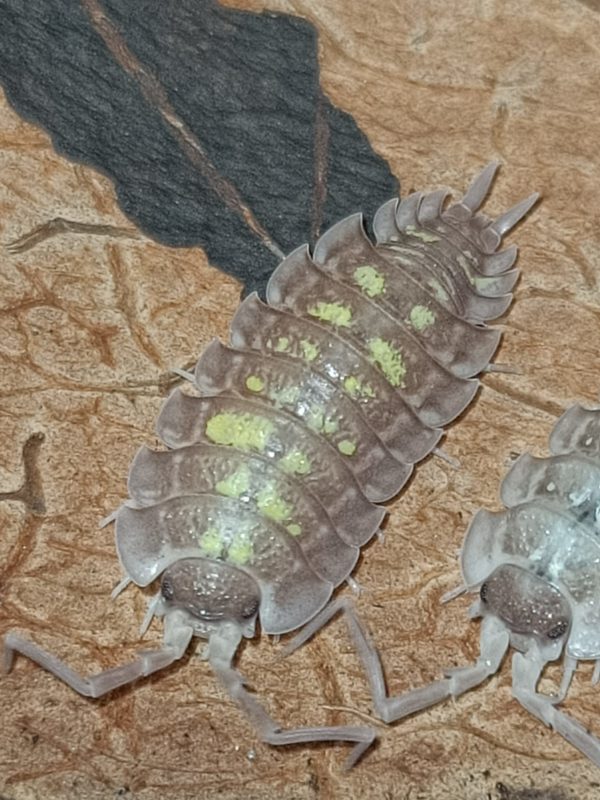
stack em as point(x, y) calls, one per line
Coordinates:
point(326, 397)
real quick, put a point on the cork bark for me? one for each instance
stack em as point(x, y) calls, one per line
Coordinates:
point(90, 327)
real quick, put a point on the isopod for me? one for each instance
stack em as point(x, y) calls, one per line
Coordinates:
point(536, 568)
point(312, 416)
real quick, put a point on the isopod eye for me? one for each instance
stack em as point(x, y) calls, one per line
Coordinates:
point(483, 592)
point(250, 609)
point(557, 631)
point(167, 588)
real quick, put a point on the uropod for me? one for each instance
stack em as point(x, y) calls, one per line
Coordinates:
point(536, 568)
point(296, 431)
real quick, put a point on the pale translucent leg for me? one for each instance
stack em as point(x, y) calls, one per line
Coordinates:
point(150, 612)
point(569, 667)
point(526, 671)
point(443, 455)
point(452, 594)
point(221, 650)
point(120, 587)
point(494, 643)
point(177, 636)
point(503, 368)
point(183, 373)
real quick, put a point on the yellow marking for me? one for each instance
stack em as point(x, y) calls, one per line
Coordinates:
point(211, 542)
point(389, 359)
point(294, 529)
point(295, 463)
point(347, 448)
point(421, 318)
point(335, 313)
point(241, 550)
point(282, 345)
point(244, 431)
point(330, 426)
point(272, 505)
point(315, 418)
point(254, 383)
point(309, 350)
point(236, 484)
point(317, 421)
point(354, 386)
point(370, 280)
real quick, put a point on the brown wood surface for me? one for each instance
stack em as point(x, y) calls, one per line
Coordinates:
point(89, 328)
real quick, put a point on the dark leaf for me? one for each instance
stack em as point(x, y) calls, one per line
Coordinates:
point(210, 121)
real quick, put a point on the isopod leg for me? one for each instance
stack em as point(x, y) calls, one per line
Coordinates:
point(494, 644)
point(222, 646)
point(177, 636)
point(526, 671)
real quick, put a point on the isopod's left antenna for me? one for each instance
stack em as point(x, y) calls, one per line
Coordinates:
point(177, 636)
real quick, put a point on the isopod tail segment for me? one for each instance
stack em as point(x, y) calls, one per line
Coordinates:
point(536, 567)
point(317, 412)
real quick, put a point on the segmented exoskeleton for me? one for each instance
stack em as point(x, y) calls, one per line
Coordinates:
point(315, 413)
point(536, 567)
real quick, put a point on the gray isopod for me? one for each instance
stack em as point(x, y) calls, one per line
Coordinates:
point(315, 413)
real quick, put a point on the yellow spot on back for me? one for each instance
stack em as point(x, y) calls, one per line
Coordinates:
point(295, 463)
point(317, 420)
point(389, 359)
point(309, 350)
point(241, 550)
point(254, 383)
point(355, 387)
point(330, 426)
point(272, 505)
point(244, 431)
point(421, 318)
point(211, 542)
point(282, 344)
point(294, 529)
point(370, 280)
point(346, 447)
point(335, 313)
point(236, 484)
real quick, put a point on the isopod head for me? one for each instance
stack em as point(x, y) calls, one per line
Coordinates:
point(527, 604)
point(210, 592)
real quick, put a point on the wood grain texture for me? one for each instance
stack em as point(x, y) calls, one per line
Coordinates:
point(89, 329)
